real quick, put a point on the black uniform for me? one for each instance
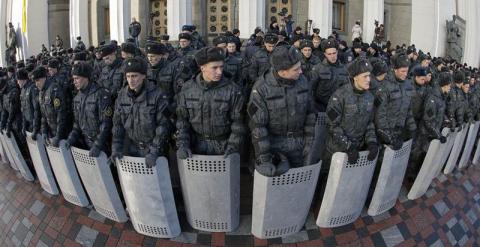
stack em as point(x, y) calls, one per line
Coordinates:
point(210, 117)
point(326, 78)
point(93, 118)
point(112, 77)
point(29, 102)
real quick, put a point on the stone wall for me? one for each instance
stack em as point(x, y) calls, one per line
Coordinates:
point(58, 24)
point(398, 21)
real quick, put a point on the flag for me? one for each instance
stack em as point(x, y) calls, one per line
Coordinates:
point(24, 16)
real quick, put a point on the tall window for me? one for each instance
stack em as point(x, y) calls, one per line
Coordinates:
point(338, 19)
point(159, 14)
point(218, 17)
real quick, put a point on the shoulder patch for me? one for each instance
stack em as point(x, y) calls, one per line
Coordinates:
point(56, 102)
point(108, 111)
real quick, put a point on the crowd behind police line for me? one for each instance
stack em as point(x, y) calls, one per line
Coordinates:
point(198, 99)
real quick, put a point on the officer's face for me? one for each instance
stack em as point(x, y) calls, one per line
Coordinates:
point(446, 89)
point(40, 83)
point(293, 73)
point(184, 43)
point(79, 82)
point(223, 46)
point(212, 71)
point(428, 78)
point(465, 87)
point(401, 73)
point(307, 52)
point(425, 63)
point(135, 80)
point(269, 47)
point(109, 59)
point(126, 55)
point(362, 81)
point(21, 83)
point(420, 80)
point(381, 77)
point(52, 71)
point(331, 55)
point(231, 47)
point(164, 41)
point(154, 59)
point(316, 43)
point(98, 55)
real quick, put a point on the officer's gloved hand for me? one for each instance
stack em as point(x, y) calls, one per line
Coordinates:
point(34, 136)
point(115, 155)
point(55, 141)
point(443, 139)
point(94, 151)
point(150, 160)
point(353, 155)
point(397, 144)
point(228, 151)
point(266, 169)
point(8, 133)
point(184, 153)
point(385, 137)
point(372, 151)
point(459, 128)
point(282, 164)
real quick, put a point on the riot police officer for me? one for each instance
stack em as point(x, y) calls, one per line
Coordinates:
point(28, 99)
point(433, 119)
point(379, 72)
point(159, 70)
point(52, 109)
point(327, 76)
point(232, 66)
point(185, 47)
point(140, 125)
point(93, 112)
point(282, 118)
point(393, 115)
point(111, 77)
point(209, 110)
point(418, 97)
point(308, 59)
point(260, 61)
point(456, 101)
point(350, 113)
point(186, 67)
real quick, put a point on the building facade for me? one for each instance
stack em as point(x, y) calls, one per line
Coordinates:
point(419, 22)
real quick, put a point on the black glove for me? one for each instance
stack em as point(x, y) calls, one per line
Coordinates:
point(397, 144)
point(55, 141)
point(228, 151)
point(34, 136)
point(372, 151)
point(68, 144)
point(184, 153)
point(94, 151)
point(385, 137)
point(150, 160)
point(8, 133)
point(115, 155)
point(266, 168)
point(459, 128)
point(442, 139)
point(353, 155)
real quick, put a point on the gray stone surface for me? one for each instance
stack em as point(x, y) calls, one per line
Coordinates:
point(86, 236)
point(186, 237)
point(392, 236)
point(41, 244)
point(7, 216)
point(10, 186)
point(28, 238)
point(295, 238)
point(441, 207)
point(468, 185)
point(245, 226)
point(37, 207)
point(96, 216)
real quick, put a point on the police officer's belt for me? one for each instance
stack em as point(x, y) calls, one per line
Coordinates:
point(213, 137)
point(290, 134)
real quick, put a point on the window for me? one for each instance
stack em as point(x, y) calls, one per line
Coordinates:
point(338, 19)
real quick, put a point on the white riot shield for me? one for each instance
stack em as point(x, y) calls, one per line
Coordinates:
point(429, 168)
point(18, 159)
point(42, 164)
point(445, 152)
point(149, 197)
point(66, 173)
point(318, 146)
point(3, 151)
point(346, 190)
point(390, 179)
point(456, 149)
point(476, 156)
point(470, 141)
point(8, 152)
point(281, 204)
point(211, 191)
point(98, 181)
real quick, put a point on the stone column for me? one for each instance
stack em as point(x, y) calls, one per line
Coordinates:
point(179, 13)
point(3, 37)
point(119, 20)
point(471, 55)
point(251, 15)
point(79, 22)
point(372, 10)
point(320, 12)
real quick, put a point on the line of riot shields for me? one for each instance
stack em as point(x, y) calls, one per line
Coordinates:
point(211, 185)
